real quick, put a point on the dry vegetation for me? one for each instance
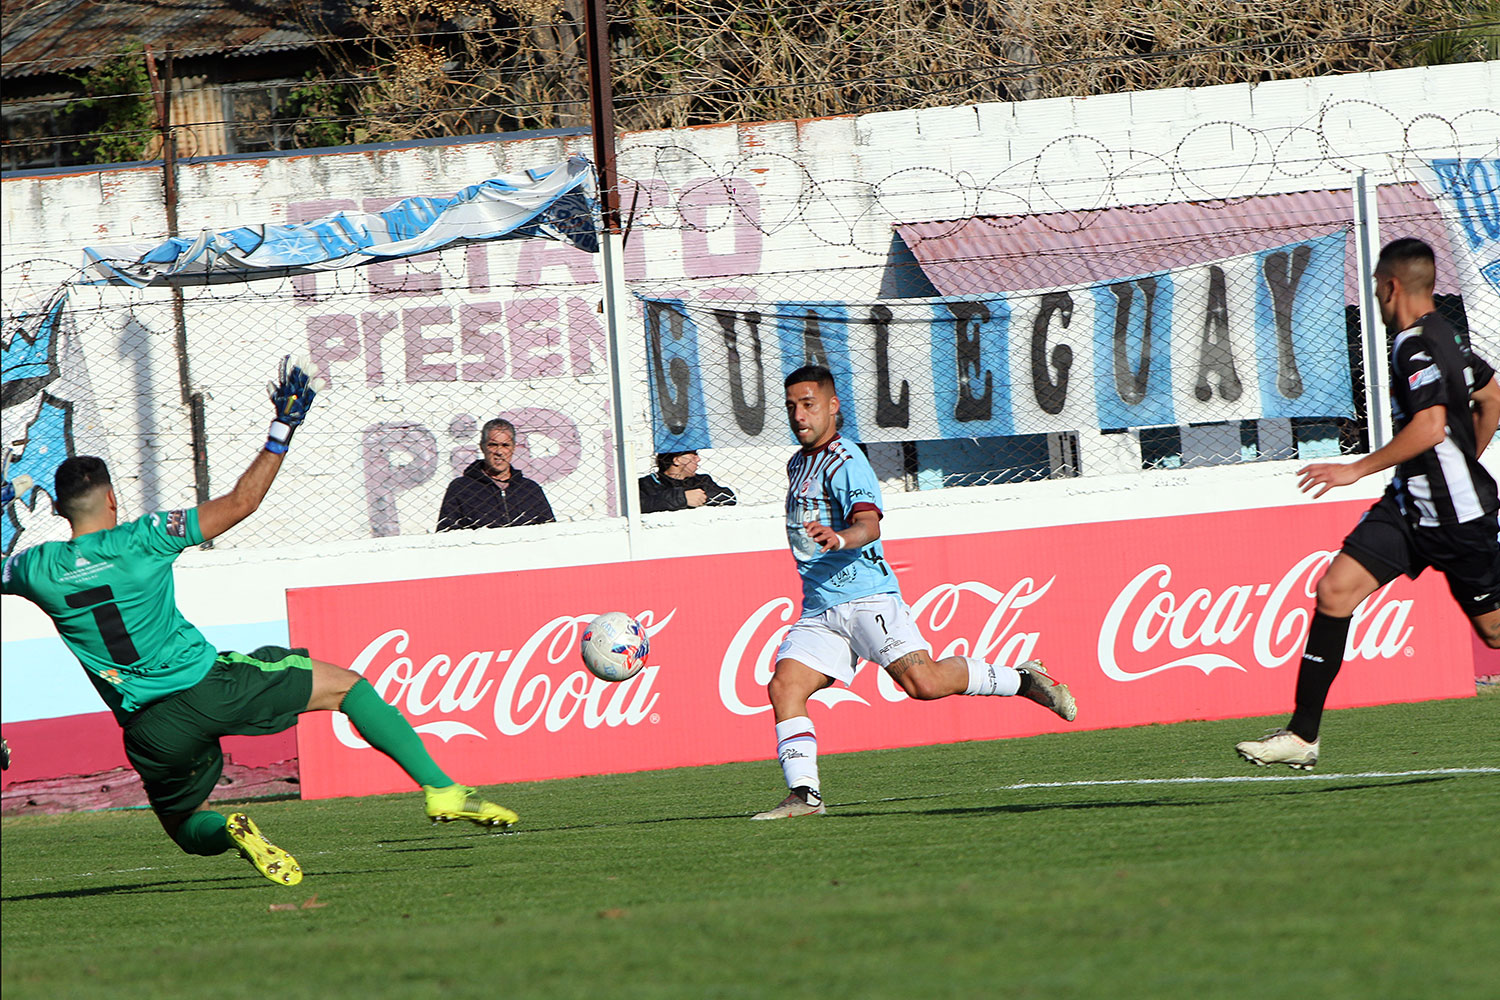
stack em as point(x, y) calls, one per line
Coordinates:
point(444, 67)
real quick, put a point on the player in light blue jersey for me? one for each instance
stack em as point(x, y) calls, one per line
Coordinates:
point(851, 603)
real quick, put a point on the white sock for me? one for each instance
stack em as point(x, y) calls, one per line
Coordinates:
point(797, 747)
point(987, 679)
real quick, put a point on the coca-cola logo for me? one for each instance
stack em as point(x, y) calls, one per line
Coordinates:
point(511, 690)
point(1148, 614)
point(750, 658)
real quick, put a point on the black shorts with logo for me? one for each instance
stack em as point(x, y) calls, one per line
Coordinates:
point(1388, 545)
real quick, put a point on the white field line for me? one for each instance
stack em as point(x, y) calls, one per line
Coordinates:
point(1018, 786)
point(1232, 779)
point(1237, 778)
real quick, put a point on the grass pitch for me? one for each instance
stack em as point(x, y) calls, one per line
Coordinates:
point(933, 876)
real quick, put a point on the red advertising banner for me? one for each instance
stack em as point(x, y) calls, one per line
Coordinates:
point(1193, 617)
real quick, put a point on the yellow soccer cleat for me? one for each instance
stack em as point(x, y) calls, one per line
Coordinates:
point(268, 859)
point(444, 805)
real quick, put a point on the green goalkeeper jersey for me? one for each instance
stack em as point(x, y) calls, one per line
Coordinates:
point(112, 598)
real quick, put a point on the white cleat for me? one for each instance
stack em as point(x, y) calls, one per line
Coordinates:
point(1047, 692)
point(801, 802)
point(1280, 746)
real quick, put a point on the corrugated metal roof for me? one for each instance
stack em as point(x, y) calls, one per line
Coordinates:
point(60, 36)
point(1013, 253)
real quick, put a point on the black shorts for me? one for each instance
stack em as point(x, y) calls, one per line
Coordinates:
point(1388, 545)
point(174, 743)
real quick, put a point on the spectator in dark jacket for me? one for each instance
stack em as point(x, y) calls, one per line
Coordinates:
point(676, 484)
point(492, 493)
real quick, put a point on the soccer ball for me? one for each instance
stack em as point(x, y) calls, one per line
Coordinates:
point(614, 646)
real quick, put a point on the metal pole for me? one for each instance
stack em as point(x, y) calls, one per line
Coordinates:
point(1367, 251)
point(161, 93)
point(612, 247)
point(602, 112)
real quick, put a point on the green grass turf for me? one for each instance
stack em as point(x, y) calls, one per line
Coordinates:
point(928, 879)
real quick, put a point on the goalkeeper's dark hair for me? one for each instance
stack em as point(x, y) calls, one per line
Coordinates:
point(811, 373)
point(76, 479)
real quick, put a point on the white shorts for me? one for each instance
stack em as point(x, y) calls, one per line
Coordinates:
point(832, 642)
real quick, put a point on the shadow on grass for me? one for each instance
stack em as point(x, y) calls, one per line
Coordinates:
point(837, 809)
point(248, 883)
point(1312, 787)
point(143, 888)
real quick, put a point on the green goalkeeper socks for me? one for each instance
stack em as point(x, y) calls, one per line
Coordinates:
point(386, 729)
point(205, 833)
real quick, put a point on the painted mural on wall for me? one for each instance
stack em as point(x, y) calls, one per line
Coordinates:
point(48, 414)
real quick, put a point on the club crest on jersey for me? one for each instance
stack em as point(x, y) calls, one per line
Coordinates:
point(1426, 376)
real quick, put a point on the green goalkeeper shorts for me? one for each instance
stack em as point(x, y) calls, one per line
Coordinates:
point(174, 743)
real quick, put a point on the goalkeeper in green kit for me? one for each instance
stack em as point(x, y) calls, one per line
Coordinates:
point(109, 591)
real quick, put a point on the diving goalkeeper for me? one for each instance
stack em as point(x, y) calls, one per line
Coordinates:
point(109, 590)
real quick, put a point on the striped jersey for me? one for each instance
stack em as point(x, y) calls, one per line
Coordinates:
point(830, 485)
point(1432, 365)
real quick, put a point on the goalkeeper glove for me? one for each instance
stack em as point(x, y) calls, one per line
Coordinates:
point(292, 396)
point(11, 490)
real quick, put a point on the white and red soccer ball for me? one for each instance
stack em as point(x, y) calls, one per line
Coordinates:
point(614, 646)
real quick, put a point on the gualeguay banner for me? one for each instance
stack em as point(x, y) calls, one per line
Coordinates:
point(1193, 617)
point(1261, 335)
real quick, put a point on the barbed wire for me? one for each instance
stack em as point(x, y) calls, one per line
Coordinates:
point(402, 417)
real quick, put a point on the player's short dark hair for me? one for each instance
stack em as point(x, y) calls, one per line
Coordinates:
point(498, 422)
point(664, 459)
point(1412, 259)
point(74, 480)
point(811, 373)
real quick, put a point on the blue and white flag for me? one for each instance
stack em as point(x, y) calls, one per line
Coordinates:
point(554, 202)
point(1261, 335)
point(1468, 192)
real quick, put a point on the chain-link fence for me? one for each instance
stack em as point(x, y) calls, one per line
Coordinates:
point(978, 335)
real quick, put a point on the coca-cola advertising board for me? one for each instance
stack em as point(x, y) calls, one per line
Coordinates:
point(1193, 617)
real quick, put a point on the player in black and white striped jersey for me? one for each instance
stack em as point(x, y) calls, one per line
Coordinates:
point(1439, 511)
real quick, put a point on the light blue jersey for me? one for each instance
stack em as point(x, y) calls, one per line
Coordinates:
point(830, 485)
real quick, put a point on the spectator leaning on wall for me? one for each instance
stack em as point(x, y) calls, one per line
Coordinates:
point(492, 493)
point(676, 484)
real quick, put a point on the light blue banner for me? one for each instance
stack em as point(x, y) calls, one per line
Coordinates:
point(552, 202)
point(676, 379)
point(969, 338)
point(818, 333)
point(1297, 336)
point(1260, 335)
point(1133, 326)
